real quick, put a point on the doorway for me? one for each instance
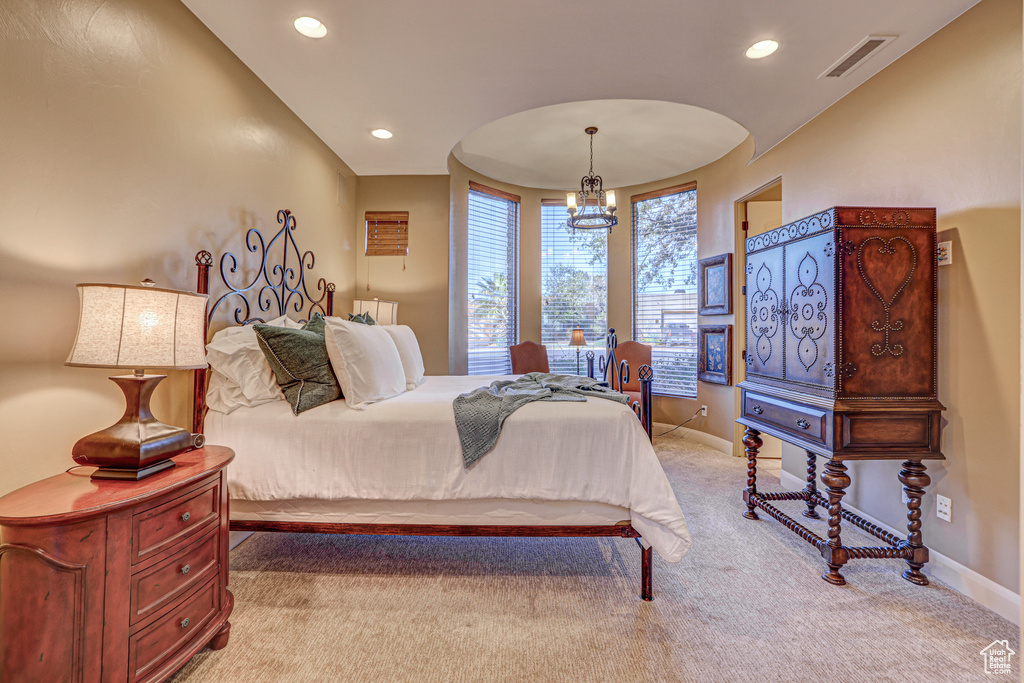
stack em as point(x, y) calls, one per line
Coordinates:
point(757, 212)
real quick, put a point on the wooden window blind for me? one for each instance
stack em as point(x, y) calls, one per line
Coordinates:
point(493, 277)
point(387, 233)
point(574, 287)
point(664, 235)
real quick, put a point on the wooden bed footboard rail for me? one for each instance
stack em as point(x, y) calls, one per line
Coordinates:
point(607, 365)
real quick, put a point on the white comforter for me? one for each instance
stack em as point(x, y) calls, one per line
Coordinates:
point(407, 448)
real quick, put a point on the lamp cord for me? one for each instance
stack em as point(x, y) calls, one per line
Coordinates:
point(680, 424)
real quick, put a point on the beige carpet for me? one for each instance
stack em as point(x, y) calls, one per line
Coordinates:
point(747, 603)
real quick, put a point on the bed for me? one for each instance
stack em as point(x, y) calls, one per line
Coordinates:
point(395, 467)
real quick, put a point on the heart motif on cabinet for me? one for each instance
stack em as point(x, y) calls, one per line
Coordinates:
point(888, 269)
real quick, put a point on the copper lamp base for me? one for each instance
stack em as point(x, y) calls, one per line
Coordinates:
point(138, 445)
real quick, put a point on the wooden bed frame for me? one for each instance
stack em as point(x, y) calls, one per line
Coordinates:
point(282, 288)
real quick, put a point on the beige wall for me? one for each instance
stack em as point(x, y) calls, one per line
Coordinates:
point(421, 288)
point(130, 138)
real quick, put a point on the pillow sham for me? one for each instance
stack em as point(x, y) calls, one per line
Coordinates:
point(366, 362)
point(236, 355)
point(300, 363)
point(409, 352)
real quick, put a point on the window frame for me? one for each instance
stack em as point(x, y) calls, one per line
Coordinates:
point(513, 252)
point(634, 200)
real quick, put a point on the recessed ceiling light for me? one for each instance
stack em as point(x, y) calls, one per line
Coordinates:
point(381, 133)
point(762, 49)
point(310, 27)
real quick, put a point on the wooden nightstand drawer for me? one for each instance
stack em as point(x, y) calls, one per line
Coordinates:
point(160, 584)
point(799, 420)
point(164, 526)
point(152, 645)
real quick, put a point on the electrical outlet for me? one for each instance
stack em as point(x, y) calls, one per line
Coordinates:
point(944, 508)
point(703, 411)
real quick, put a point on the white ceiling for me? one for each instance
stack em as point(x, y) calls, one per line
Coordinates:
point(637, 141)
point(435, 72)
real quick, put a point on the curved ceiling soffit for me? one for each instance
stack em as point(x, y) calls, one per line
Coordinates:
point(638, 141)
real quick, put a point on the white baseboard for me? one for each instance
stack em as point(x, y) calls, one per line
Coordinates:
point(965, 580)
point(716, 442)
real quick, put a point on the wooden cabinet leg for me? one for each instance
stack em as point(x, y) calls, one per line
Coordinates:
point(752, 440)
point(646, 571)
point(220, 639)
point(915, 479)
point(835, 478)
point(812, 486)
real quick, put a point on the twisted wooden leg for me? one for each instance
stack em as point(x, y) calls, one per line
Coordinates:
point(914, 481)
point(812, 486)
point(835, 478)
point(752, 440)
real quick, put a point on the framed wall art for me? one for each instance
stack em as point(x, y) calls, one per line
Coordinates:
point(714, 354)
point(714, 289)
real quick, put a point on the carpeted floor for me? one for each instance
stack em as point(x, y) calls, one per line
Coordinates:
point(747, 603)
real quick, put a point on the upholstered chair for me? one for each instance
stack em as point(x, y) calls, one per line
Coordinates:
point(636, 354)
point(529, 357)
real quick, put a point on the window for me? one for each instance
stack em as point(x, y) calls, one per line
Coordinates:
point(574, 287)
point(665, 285)
point(493, 276)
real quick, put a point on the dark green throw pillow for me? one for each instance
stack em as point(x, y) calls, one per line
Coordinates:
point(364, 318)
point(300, 363)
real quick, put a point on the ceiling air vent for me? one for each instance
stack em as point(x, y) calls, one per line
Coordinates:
point(857, 56)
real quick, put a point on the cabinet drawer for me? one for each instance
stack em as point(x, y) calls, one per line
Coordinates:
point(151, 646)
point(802, 421)
point(159, 585)
point(164, 526)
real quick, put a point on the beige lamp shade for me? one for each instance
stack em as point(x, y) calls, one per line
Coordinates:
point(125, 326)
point(577, 338)
point(383, 312)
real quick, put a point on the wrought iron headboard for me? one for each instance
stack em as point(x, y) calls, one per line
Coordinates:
point(281, 284)
point(606, 365)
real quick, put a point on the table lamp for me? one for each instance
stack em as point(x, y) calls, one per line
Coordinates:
point(577, 340)
point(137, 327)
point(382, 312)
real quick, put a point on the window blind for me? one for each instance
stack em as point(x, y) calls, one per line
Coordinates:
point(665, 286)
point(387, 233)
point(493, 276)
point(574, 288)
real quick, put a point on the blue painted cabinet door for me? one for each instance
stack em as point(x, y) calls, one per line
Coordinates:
point(810, 310)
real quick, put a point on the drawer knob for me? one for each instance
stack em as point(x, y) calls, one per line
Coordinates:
point(758, 410)
point(185, 516)
point(803, 424)
point(185, 569)
point(184, 622)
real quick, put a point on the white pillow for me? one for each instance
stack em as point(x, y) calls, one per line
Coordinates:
point(224, 395)
point(365, 361)
point(409, 351)
point(235, 354)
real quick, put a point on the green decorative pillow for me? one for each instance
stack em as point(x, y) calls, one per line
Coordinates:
point(300, 363)
point(364, 318)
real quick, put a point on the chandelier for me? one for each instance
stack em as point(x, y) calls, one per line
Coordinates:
point(591, 208)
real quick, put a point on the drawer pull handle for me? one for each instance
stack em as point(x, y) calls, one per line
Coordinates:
point(803, 424)
point(185, 516)
point(185, 569)
point(184, 623)
point(758, 410)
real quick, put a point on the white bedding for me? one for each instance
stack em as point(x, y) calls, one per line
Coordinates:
point(407, 449)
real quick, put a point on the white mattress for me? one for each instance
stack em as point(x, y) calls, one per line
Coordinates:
point(407, 449)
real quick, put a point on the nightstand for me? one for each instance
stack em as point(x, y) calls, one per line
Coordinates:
point(106, 580)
